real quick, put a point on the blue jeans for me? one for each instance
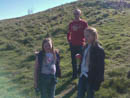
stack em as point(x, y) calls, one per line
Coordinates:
point(75, 50)
point(84, 86)
point(48, 85)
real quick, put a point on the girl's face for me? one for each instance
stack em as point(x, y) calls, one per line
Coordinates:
point(47, 46)
point(88, 37)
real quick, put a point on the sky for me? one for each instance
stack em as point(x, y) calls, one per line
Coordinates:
point(18, 8)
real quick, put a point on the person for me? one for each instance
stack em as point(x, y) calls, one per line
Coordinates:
point(92, 66)
point(47, 68)
point(75, 37)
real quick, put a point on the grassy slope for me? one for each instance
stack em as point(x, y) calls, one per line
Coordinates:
point(19, 38)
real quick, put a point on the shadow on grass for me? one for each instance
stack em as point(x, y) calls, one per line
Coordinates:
point(67, 75)
point(69, 94)
point(24, 92)
point(64, 85)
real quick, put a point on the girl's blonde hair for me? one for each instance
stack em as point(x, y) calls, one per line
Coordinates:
point(53, 50)
point(93, 32)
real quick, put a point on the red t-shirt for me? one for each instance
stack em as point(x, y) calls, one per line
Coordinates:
point(76, 32)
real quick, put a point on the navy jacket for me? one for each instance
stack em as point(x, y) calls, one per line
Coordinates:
point(96, 66)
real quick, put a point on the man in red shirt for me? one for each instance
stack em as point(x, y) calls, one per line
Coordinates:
point(76, 39)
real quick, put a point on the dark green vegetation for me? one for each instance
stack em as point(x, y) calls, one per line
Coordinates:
point(20, 37)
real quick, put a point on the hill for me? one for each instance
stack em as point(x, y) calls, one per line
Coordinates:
point(20, 37)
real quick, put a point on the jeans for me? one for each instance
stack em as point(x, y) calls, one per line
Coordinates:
point(48, 85)
point(85, 86)
point(75, 50)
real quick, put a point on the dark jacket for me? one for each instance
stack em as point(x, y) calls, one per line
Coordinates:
point(96, 66)
point(40, 60)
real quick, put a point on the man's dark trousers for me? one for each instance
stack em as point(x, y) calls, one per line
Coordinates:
point(75, 50)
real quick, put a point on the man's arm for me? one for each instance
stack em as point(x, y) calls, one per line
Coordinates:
point(69, 34)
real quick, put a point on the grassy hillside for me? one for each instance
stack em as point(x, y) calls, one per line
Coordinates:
point(20, 37)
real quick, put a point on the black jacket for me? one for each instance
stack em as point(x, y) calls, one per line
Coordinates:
point(96, 66)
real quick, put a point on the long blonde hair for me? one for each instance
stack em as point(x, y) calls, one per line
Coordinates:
point(93, 32)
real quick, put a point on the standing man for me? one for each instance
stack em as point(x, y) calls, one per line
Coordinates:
point(76, 39)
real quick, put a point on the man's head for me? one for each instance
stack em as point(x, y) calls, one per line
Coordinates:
point(77, 13)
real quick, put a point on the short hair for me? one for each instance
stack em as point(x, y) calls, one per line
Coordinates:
point(77, 10)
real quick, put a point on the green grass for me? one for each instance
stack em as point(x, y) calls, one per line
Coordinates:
point(20, 37)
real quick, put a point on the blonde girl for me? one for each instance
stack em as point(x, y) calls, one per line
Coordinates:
point(92, 66)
